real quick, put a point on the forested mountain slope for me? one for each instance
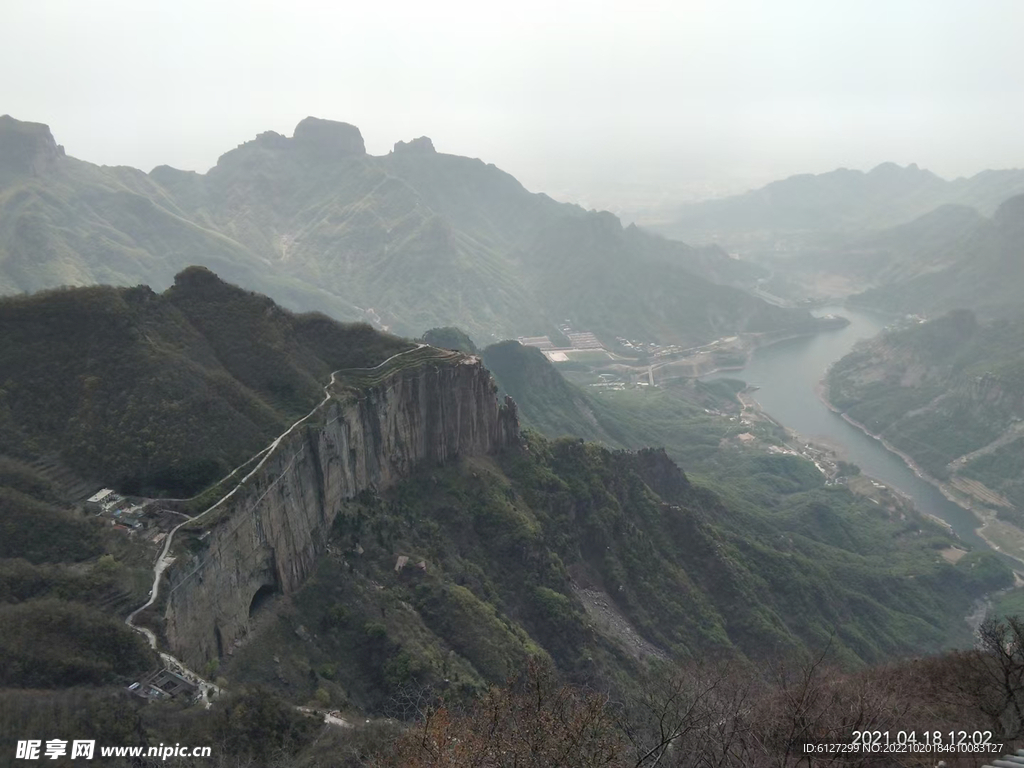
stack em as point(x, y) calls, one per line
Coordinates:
point(950, 394)
point(163, 393)
point(905, 238)
point(976, 265)
point(450, 577)
point(843, 200)
point(411, 240)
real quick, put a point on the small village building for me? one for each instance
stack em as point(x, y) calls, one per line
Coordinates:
point(95, 503)
point(164, 684)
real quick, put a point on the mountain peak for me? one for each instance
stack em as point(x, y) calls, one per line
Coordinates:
point(26, 148)
point(195, 272)
point(1010, 215)
point(421, 146)
point(329, 135)
point(199, 278)
point(894, 169)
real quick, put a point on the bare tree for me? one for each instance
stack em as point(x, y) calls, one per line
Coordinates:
point(991, 677)
point(533, 722)
point(686, 716)
point(814, 702)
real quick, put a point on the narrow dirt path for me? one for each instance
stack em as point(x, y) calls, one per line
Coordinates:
point(164, 560)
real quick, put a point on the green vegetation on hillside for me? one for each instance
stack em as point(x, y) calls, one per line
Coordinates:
point(450, 338)
point(902, 239)
point(841, 200)
point(164, 393)
point(42, 533)
point(518, 551)
point(56, 644)
point(949, 393)
point(593, 560)
point(1002, 470)
point(980, 268)
point(546, 401)
point(63, 591)
point(251, 727)
point(412, 240)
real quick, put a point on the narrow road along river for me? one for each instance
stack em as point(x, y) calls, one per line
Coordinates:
point(788, 374)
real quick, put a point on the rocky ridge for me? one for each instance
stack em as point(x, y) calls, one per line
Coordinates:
point(266, 538)
point(26, 149)
point(423, 146)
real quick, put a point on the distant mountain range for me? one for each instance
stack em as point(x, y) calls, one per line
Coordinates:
point(410, 240)
point(905, 239)
point(590, 557)
point(954, 259)
point(839, 201)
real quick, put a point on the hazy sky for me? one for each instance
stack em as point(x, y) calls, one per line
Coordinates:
point(569, 96)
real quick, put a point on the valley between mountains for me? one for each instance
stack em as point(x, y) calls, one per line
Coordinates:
point(349, 449)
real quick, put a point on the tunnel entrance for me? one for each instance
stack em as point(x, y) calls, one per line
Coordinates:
point(262, 596)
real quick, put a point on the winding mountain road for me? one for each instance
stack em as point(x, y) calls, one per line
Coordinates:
point(206, 688)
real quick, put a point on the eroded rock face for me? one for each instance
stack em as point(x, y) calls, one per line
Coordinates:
point(272, 530)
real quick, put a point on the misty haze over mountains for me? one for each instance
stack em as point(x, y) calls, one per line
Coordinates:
point(410, 240)
point(417, 239)
point(579, 385)
point(917, 242)
point(671, 101)
point(844, 200)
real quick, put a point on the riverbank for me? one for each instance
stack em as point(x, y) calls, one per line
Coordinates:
point(723, 369)
point(699, 365)
point(826, 457)
point(986, 521)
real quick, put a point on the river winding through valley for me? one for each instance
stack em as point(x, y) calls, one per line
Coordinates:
point(788, 374)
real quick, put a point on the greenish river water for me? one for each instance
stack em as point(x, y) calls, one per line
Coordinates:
point(788, 374)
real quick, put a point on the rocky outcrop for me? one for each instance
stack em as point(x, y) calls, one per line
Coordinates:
point(421, 146)
point(661, 474)
point(269, 534)
point(274, 140)
point(328, 137)
point(26, 149)
point(315, 140)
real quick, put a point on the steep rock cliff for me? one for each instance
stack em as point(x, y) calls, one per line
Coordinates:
point(266, 537)
point(26, 149)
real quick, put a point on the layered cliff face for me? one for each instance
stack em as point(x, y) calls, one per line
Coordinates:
point(266, 537)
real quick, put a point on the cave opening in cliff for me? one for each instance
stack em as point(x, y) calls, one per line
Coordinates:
point(263, 594)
